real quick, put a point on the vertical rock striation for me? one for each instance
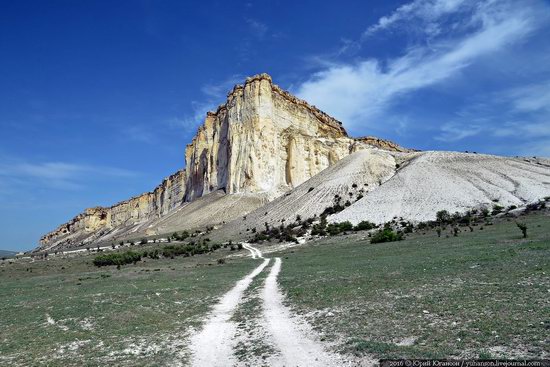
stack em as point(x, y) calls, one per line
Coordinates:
point(262, 140)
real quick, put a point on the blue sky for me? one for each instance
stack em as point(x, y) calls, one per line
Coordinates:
point(99, 98)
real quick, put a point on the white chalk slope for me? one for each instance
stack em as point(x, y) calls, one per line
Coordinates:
point(433, 181)
point(412, 186)
point(357, 174)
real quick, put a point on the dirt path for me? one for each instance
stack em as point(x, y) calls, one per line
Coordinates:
point(292, 339)
point(213, 345)
point(254, 252)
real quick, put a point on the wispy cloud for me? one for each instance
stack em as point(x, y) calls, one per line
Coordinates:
point(214, 94)
point(258, 28)
point(139, 134)
point(531, 98)
point(523, 115)
point(423, 15)
point(454, 132)
point(358, 92)
point(56, 175)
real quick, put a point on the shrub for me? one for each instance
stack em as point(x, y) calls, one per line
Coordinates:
point(143, 241)
point(523, 228)
point(333, 229)
point(497, 209)
point(443, 216)
point(180, 237)
point(386, 235)
point(336, 228)
point(221, 261)
point(258, 237)
point(364, 225)
point(319, 228)
point(153, 254)
point(121, 258)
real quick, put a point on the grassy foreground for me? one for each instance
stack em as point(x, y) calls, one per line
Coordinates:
point(66, 312)
point(482, 294)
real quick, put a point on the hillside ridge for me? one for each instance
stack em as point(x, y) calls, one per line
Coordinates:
point(261, 143)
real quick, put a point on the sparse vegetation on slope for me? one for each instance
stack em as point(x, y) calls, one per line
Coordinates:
point(168, 251)
point(426, 296)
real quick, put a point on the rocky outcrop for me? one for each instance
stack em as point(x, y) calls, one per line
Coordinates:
point(263, 141)
point(96, 221)
point(383, 144)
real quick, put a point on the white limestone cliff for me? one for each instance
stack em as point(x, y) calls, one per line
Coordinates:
point(262, 141)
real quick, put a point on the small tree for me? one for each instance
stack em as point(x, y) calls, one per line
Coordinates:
point(523, 228)
point(364, 225)
point(443, 216)
point(386, 235)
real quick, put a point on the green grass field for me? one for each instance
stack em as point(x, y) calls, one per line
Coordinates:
point(66, 312)
point(482, 294)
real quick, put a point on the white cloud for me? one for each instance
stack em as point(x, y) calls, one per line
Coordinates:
point(531, 98)
point(454, 132)
point(356, 93)
point(525, 130)
point(422, 14)
point(58, 175)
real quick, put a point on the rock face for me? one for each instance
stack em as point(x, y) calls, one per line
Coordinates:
point(96, 221)
point(263, 141)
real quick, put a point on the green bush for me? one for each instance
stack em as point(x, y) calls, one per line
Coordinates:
point(497, 209)
point(337, 228)
point(386, 235)
point(120, 258)
point(180, 237)
point(364, 225)
point(443, 216)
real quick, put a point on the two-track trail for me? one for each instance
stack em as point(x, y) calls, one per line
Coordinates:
point(294, 342)
point(213, 346)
